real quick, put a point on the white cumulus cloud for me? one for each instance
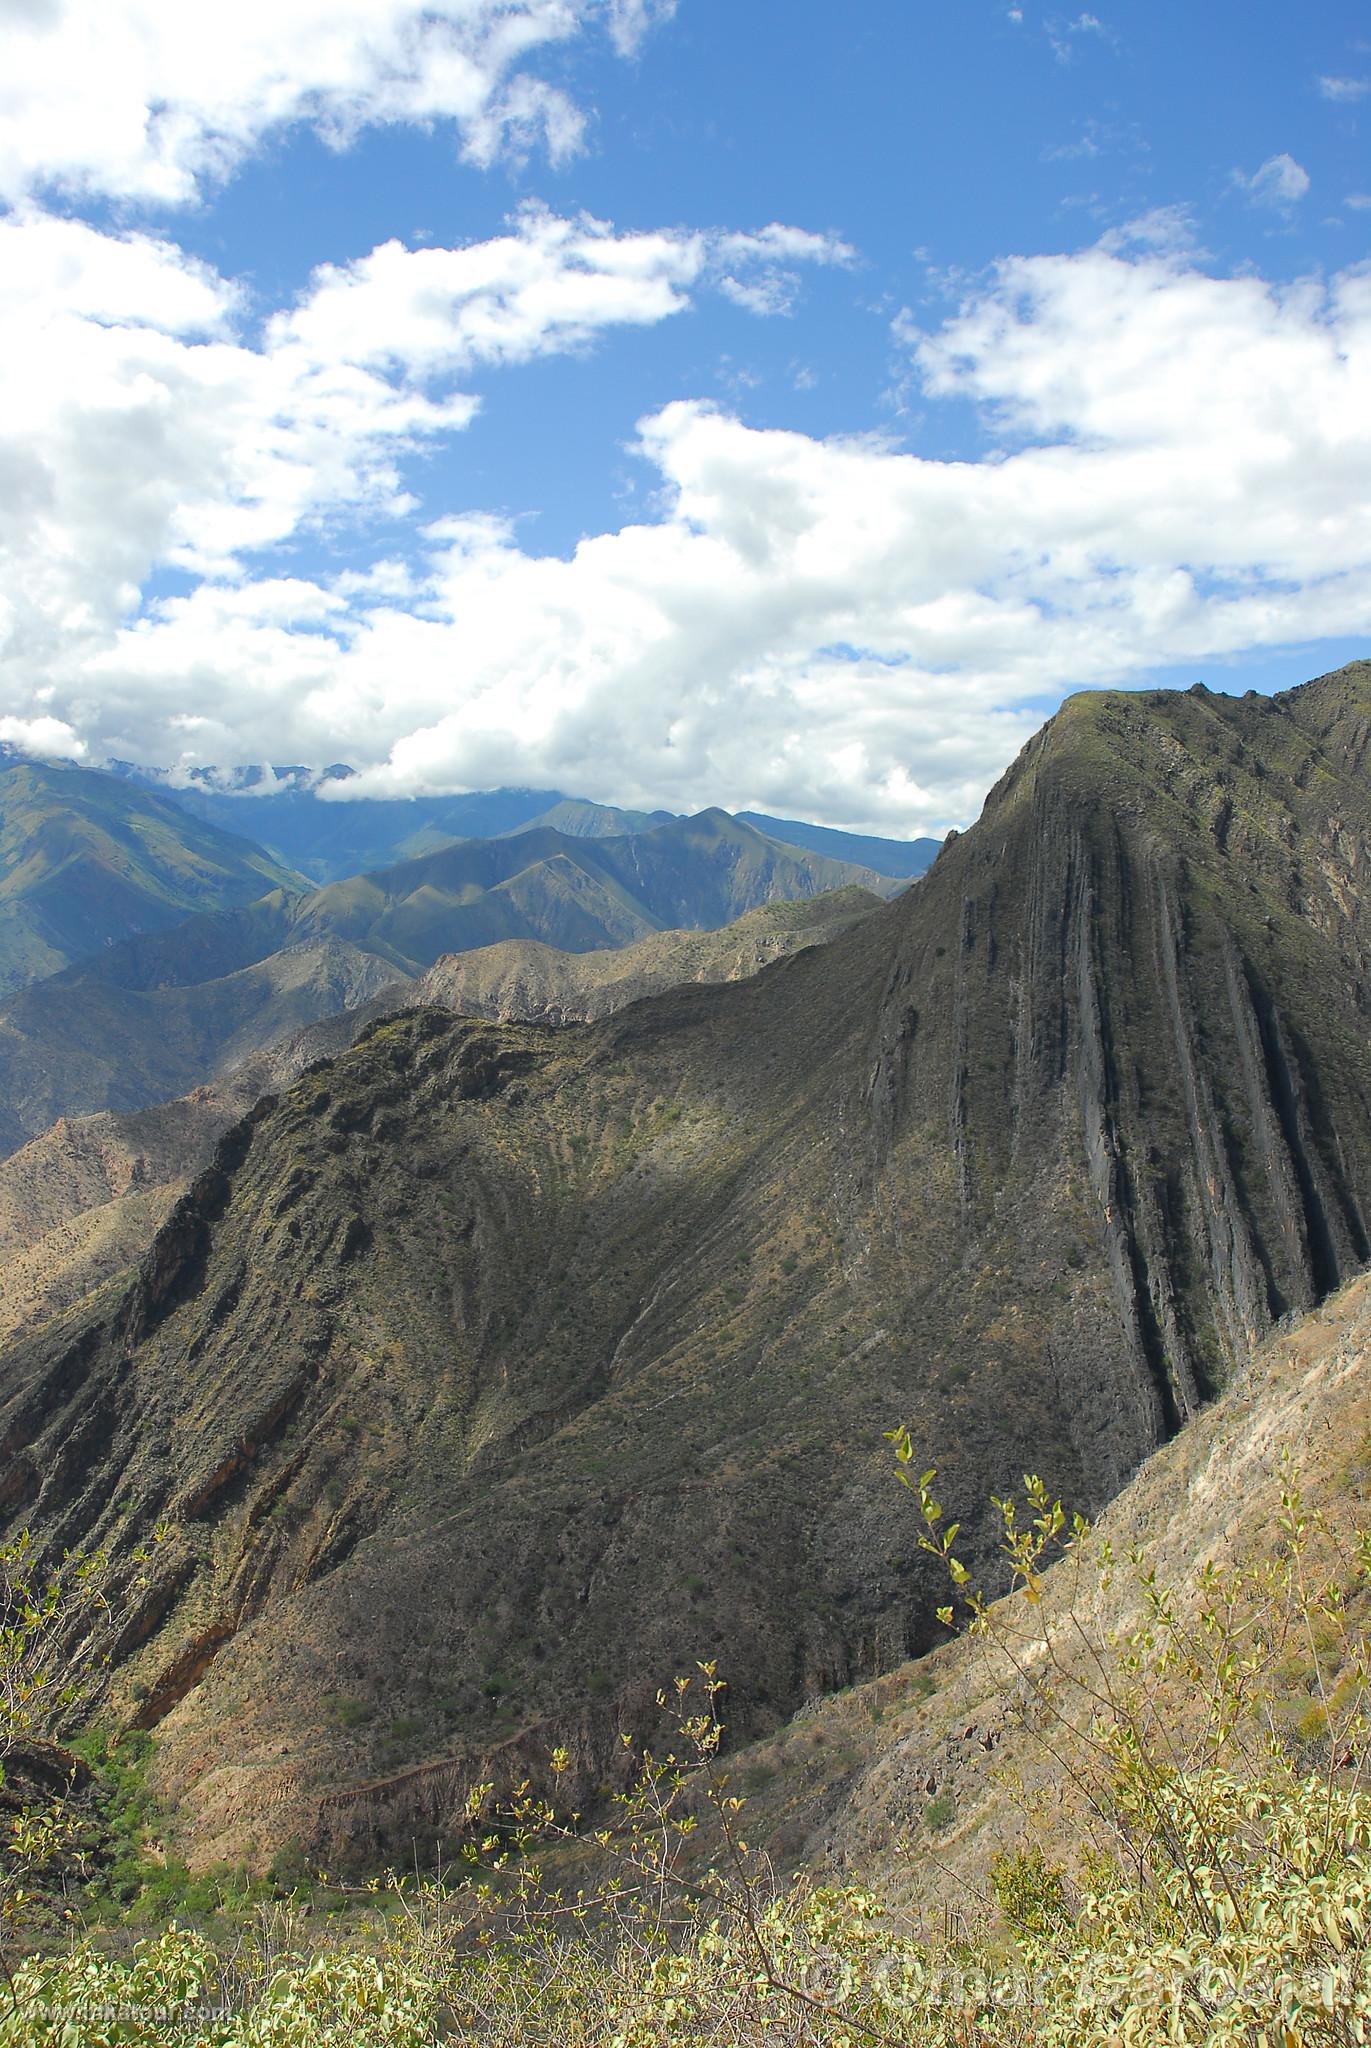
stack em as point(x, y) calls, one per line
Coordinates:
point(549, 285)
point(141, 431)
point(149, 100)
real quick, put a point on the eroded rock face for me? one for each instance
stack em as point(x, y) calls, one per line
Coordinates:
point(490, 1376)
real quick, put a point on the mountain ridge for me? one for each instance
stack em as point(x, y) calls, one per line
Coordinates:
point(159, 1014)
point(81, 1200)
point(331, 838)
point(571, 1352)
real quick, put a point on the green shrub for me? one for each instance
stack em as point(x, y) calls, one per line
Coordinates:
point(347, 1711)
point(1031, 1892)
point(938, 1813)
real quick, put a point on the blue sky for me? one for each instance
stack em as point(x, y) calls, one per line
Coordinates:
point(757, 404)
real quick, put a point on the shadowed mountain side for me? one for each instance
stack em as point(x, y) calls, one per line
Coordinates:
point(84, 1198)
point(492, 1375)
point(64, 1045)
point(86, 860)
point(159, 1015)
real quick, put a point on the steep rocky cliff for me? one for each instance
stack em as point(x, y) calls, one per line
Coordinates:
point(493, 1374)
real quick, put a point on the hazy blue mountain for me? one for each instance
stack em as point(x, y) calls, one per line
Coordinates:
point(901, 857)
point(579, 819)
point(328, 839)
point(149, 1019)
point(88, 859)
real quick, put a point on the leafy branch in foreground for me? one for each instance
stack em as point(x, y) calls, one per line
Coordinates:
point(44, 1611)
point(1217, 1744)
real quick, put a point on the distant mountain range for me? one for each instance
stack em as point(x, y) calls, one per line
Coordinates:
point(147, 1018)
point(328, 838)
point(89, 858)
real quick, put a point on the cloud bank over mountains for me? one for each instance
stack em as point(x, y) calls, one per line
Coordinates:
point(1183, 470)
